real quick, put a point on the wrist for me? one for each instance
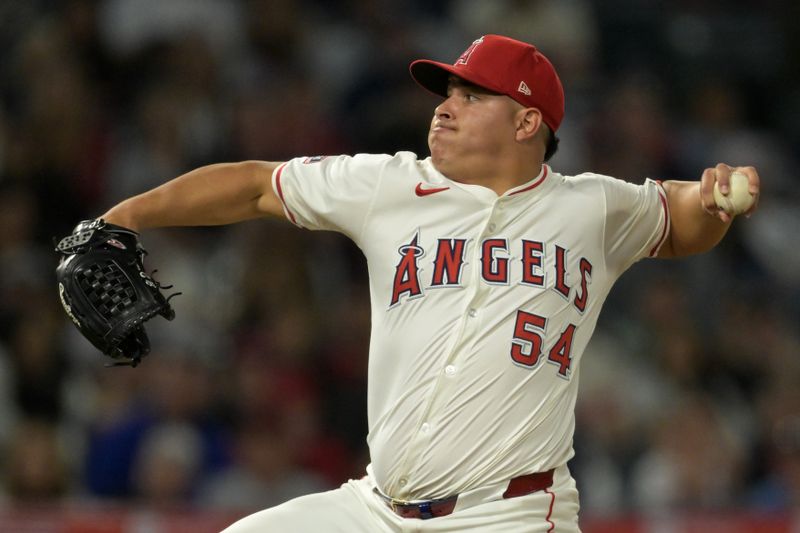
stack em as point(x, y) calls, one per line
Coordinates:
point(121, 215)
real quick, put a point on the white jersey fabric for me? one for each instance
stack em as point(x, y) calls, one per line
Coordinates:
point(482, 306)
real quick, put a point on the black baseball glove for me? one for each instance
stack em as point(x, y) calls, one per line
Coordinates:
point(105, 290)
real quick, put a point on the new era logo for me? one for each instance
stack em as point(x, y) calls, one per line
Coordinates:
point(524, 89)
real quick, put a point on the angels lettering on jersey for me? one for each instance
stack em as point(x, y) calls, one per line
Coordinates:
point(497, 256)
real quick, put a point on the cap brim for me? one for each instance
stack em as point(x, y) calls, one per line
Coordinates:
point(431, 75)
point(435, 76)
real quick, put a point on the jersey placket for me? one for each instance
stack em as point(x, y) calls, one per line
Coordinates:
point(465, 336)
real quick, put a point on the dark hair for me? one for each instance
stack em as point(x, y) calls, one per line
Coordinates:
point(552, 145)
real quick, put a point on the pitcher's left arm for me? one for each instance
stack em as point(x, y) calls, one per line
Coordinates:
point(697, 224)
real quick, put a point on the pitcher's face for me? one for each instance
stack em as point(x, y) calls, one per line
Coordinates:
point(470, 129)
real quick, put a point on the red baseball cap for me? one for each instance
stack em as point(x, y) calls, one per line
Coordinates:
point(505, 66)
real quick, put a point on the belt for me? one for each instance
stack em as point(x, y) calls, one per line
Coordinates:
point(519, 486)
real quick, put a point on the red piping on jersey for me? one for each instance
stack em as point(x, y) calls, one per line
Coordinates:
point(661, 239)
point(280, 194)
point(550, 511)
point(534, 184)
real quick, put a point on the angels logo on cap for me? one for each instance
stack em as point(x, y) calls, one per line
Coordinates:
point(464, 58)
point(503, 65)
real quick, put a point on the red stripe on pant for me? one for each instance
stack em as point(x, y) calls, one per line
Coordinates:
point(550, 511)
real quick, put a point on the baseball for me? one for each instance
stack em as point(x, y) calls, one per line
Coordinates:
point(738, 199)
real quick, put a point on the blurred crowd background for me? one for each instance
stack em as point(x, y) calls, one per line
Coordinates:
point(256, 392)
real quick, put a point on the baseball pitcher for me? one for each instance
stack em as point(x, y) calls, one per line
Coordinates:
point(488, 270)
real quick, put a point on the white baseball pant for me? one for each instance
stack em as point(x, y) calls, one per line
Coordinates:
point(356, 508)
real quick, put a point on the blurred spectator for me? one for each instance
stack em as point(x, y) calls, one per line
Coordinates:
point(39, 364)
point(35, 468)
point(778, 488)
point(694, 461)
point(167, 465)
point(264, 472)
point(173, 389)
point(30, 318)
point(60, 142)
point(24, 260)
point(128, 26)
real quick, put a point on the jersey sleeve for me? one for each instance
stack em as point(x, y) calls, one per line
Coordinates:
point(637, 221)
point(329, 193)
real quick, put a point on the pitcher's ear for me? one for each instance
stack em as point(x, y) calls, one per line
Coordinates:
point(529, 122)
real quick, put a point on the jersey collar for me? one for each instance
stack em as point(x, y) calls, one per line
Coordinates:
point(485, 193)
point(532, 184)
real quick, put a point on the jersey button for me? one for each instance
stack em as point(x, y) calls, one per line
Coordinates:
point(449, 370)
point(424, 428)
point(492, 226)
point(402, 482)
point(473, 313)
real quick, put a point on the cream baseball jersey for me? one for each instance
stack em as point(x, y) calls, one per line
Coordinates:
point(482, 306)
